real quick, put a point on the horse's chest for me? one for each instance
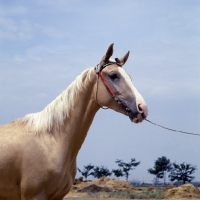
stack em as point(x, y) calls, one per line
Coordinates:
point(62, 179)
point(61, 185)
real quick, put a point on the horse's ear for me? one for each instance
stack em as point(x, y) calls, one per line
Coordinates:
point(108, 54)
point(125, 58)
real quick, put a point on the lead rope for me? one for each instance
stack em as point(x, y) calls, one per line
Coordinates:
point(172, 129)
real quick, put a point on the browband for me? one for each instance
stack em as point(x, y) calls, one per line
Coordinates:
point(118, 62)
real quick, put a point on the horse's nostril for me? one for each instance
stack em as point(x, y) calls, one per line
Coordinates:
point(140, 108)
point(141, 111)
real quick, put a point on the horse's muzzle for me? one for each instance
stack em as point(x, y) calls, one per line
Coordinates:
point(142, 112)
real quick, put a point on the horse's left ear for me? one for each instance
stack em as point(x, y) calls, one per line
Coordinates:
point(124, 58)
point(108, 54)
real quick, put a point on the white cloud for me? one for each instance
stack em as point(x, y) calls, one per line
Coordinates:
point(23, 30)
point(52, 31)
point(13, 10)
point(12, 29)
point(5, 35)
point(18, 59)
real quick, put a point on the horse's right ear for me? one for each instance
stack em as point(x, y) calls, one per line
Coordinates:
point(108, 54)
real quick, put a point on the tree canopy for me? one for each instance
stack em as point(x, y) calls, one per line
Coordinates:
point(126, 167)
point(99, 172)
point(182, 172)
point(118, 172)
point(86, 171)
point(161, 166)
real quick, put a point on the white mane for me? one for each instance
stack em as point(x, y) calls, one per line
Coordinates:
point(58, 109)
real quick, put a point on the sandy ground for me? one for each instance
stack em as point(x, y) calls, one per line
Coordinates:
point(104, 186)
point(78, 198)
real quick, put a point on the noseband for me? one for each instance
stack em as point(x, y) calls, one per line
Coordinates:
point(98, 71)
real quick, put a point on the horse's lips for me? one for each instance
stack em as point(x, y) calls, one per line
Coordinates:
point(135, 120)
point(132, 117)
point(125, 109)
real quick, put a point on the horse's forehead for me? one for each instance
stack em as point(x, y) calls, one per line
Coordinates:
point(124, 74)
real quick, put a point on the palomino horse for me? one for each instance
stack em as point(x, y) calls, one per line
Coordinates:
point(38, 152)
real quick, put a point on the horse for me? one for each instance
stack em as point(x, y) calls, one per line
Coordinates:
point(38, 151)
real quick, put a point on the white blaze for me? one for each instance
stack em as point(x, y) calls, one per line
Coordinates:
point(138, 96)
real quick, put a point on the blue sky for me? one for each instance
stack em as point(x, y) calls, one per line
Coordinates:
point(44, 45)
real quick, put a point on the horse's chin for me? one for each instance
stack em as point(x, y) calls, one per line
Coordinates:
point(134, 116)
point(135, 119)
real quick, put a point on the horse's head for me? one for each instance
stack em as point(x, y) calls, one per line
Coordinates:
point(115, 89)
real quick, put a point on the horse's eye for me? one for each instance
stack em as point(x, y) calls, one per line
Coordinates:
point(113, 76)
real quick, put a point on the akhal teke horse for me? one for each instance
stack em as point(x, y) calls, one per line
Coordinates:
point(38, 152)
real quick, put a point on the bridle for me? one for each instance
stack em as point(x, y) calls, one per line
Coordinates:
point(98, 71)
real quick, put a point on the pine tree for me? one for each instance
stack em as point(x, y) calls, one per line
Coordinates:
point(126, 167)
point(182, 172)
point(161, 166)
point(86, 169)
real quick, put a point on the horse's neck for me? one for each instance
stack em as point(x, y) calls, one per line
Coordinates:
point(81, 115)
point(70, 115)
